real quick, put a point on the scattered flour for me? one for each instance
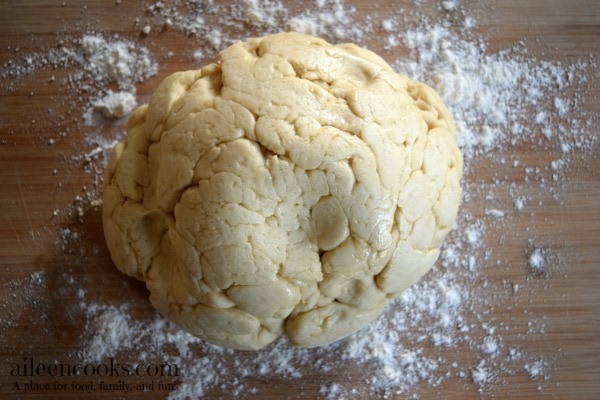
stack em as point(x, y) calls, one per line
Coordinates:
point(94, 62)
point(536, 260)
point(491, 95)
point(218, 25)
point(112, 105)
point(480, 374)
point(116, 60)
point(536, 369)
point(333, 19)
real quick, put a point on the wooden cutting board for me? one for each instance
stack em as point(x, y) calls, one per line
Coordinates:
point(50, 253)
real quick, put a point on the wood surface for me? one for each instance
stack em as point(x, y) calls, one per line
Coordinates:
point(36, 179)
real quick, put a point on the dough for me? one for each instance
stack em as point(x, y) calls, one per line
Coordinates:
point(294, 187)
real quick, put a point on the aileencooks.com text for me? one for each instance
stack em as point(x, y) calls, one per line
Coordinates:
point(29, 367)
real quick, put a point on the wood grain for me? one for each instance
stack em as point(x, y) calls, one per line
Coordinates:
point(37, 179)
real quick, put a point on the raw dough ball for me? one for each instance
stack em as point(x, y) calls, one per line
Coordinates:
point(293, 187)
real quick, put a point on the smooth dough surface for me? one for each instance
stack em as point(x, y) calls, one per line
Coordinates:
point(294, 187)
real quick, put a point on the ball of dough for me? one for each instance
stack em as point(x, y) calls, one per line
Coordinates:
point(294, 187)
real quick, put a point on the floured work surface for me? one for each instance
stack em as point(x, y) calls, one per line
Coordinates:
point(511, 308)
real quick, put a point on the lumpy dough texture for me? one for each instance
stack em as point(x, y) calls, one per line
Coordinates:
point(294, 187)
